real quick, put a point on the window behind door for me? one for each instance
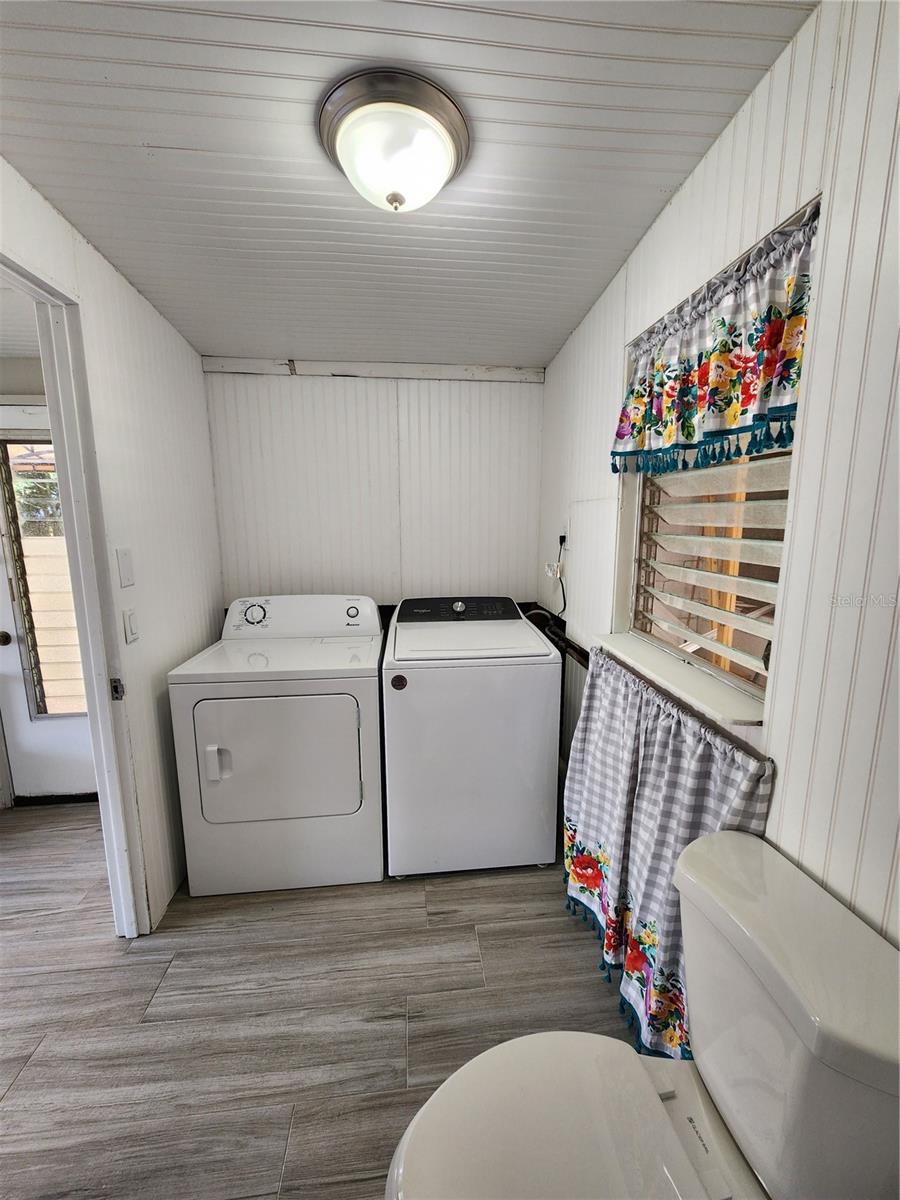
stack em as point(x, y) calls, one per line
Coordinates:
point(38, 571)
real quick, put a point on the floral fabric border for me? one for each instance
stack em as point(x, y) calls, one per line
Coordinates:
point(720, 376)
point(655, 993)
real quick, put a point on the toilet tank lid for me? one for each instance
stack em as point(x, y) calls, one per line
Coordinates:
point(833, 977)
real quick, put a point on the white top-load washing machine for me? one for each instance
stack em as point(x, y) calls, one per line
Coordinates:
point(471, 736)
point(277, 740)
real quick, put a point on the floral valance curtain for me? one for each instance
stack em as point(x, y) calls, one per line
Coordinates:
point(718, 376)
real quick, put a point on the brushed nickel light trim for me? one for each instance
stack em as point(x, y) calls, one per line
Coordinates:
point(392, 86)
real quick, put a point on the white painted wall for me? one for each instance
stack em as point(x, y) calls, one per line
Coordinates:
point(380, 486)
point(152, 442)
point(21, 377)
point(823, 119)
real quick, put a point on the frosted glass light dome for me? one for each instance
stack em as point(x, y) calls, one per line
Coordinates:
point(397, 157)
point(398, 138)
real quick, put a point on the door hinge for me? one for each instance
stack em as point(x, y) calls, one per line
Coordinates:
point(117, 689)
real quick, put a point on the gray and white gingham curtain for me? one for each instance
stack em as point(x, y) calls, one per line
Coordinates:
point(646, 778)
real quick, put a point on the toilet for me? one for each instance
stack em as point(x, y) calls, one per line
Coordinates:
point(792, 1094)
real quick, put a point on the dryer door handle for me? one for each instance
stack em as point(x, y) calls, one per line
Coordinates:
point(213, 767)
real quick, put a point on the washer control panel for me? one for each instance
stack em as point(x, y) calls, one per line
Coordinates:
point(302, 616)
point(459, 608)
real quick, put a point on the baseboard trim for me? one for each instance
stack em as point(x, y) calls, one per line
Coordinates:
point(72, 798)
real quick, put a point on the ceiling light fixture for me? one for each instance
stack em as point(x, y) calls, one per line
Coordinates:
point(397, 137)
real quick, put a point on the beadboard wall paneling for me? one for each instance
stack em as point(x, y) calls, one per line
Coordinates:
point(834, 676)
point(151, 435)
point(582, 386)
point(589, 579)
point(573, 689)
point(470, 464)
point(306, 484)
point(768, 163)
point(823, 120)
point(378, 486)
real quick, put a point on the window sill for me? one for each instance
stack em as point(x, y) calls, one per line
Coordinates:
point(700, 690)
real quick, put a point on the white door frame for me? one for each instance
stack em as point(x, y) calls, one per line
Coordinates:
point(71, 430)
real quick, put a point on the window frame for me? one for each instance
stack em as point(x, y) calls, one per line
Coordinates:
point(632, 493)
point(16, 578)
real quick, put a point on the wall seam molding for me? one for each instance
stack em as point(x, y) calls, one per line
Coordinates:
point(463, 372)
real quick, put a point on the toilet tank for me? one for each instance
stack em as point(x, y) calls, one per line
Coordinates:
point(792, 1004)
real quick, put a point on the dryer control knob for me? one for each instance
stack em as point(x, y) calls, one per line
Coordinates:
point(254, 614)
point(459, 606)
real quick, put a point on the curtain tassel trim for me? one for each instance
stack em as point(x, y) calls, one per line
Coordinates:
point(774, 431)
point(626, 1009)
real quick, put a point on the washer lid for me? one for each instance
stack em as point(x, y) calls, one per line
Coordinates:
point(442, 640)
point(505, 1127)
point(238, 661)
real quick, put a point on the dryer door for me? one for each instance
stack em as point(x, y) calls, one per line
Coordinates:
point(277, 757)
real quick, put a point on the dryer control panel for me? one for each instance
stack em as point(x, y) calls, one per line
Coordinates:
point(459, 608)
point(301, 616)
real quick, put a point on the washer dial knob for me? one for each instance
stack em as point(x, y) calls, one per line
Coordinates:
point(459, 606)
point(352, 611)
point(255, 614)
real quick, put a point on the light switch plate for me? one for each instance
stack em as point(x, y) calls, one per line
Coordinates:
point(129, 621)
point(126, 567)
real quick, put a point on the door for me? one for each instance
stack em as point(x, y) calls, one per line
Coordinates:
point(42, 699)
point(277, 757)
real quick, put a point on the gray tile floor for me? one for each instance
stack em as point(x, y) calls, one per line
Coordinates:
point(268, 1045)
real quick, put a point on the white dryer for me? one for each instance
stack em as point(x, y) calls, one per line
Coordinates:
point(277, 740)
point(471, 736)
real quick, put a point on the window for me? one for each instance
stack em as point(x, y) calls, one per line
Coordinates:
point(38, 570)
point(709, 555)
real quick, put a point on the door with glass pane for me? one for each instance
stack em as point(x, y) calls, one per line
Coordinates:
point(42, 696)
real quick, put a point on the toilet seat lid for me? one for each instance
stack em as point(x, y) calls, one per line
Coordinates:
point(551, 1116)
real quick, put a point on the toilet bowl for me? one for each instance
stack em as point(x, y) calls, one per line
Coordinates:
point(792, 1094)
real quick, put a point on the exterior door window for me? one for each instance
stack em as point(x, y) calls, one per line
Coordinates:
point(39, 581)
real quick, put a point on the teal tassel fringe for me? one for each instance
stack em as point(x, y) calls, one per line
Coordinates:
point(715, 448)
point(588, 916)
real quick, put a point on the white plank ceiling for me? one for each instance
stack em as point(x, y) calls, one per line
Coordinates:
point(179, 139)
